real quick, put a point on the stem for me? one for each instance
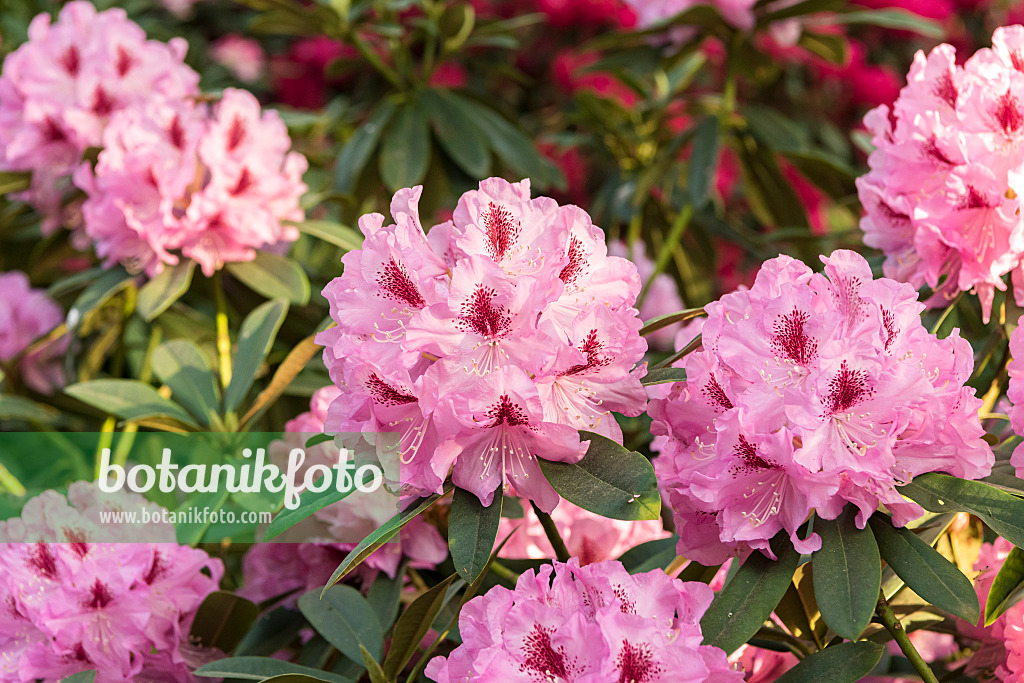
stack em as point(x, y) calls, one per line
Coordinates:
point(223, 334)
point(895, 628)
point(376, 62)
point(551, 531)
point(665, 254)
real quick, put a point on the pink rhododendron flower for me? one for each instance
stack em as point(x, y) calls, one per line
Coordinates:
point(80, 594)
point(1015, 393)
point(811, 390)
point(1000, 651)
point(59, 90)
point(211, 184)
point(942, 197)
point(662, 296)
point(27, 314)
point(242, 56)
point(583, 625)
point(588, 537)
point(326, 537)
point(762, 666)
point(486, 343)
point(739, 13)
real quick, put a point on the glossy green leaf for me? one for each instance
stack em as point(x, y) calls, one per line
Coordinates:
point(928, 573)
point(335, 233)
point(842, 663)
point(405, 151)
point(458, 134)
point(703, 160)
point(382, 535)
point(892, 18)
point(96, 293)
point(181, 366)
point(412, 626)
point(385, 596)
point(663, 376)
point(513, 146)
point(360, 146)
point(847, 574)
point(15, 181)
point(610, 481)
point(222, 620)
point(831, 48)
point(1007, 588)
point(650, 555)
point(294, 678)
point(345, 619)
point(373, 668)
point(262, 668)
point(663, 321)
point(274, 276)
point(259, 329)
point(1001, 511)
point(472, 530)
point(25, 410)
point(157, 295)
point(745, 602)
point(128, 399)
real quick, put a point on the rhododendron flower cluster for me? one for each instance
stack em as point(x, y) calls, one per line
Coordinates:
point(487, 342)
point(77, 594)
point(943, 194)
point(588, 537)
point(59, 90)
point(274, 568)
point(585, 625)
point(739, 13)
point(1000, 651)
point(26, 314)
point(213, 183)
point(1015, 393)
point(811, 391)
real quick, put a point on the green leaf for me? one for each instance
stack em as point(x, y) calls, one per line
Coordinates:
point(1007, 588)
point(703, 160)
point(157, 295)
point(842, 663)
point(293, 678)
point(610, 481)
point(405, 152)
point(892, 18)
point(942, 493)
point(472, 529)
point(181, 365)
point(128, 399)
point(373, 669)
point(663, 376)
point(771, 196)
point(222, 620)
point(16, 181)
point(335, 233)
point(928, 573)
point(345, 619)
point(457, 134)
point(273, 276)
point(414, 623)
point(662, 321)
point(512, 145)
point(25, 410)
point(382, 535)
point(830, 47)
point(356, 152)
point(262, 668)
point(98, 291)
point(803, 8)
point(254, 341)
point(650, 555)
point(80, 677)
point(847, 574)
point(742, 606)
point(385, 596)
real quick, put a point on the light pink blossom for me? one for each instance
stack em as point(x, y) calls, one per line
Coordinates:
point(78, 594)
point(59, 90)
point(942, 199)
point(26, 314)
point(487, 342)
point(178, 179)
point(567, 624)
point(243, 57)
point(811, 391)
point(1015, 393)
point(739, 13)
point(1000, 647)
